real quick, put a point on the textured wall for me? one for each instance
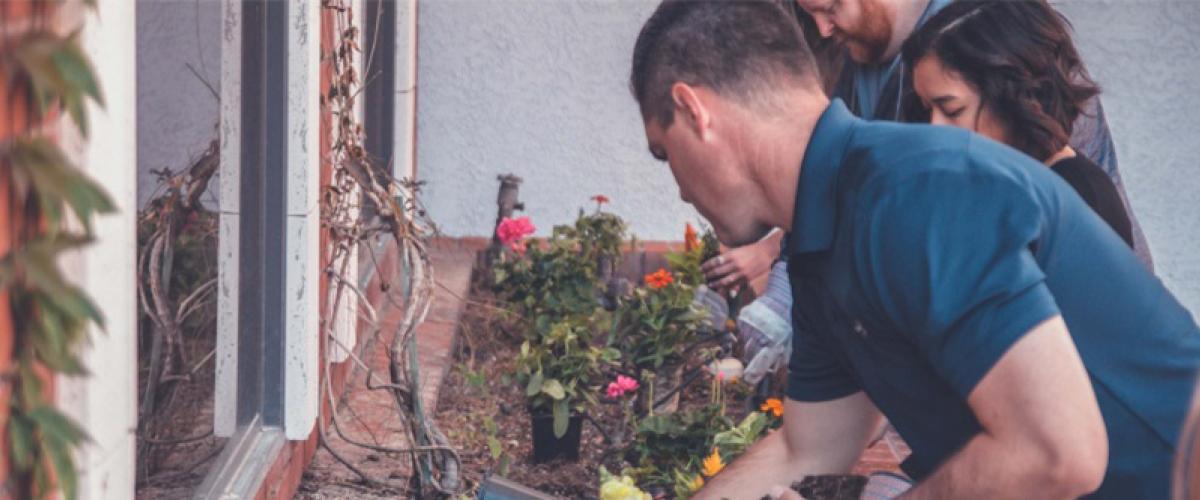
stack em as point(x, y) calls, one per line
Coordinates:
point(177, 114)
point(538, 88)
point(1143, 54)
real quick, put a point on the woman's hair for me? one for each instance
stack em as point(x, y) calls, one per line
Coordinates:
point(1019, 56)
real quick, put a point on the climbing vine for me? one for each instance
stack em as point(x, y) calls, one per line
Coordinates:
point(52, 205)
point(364, 205)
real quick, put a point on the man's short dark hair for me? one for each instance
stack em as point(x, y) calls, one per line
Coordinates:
point(739, 48)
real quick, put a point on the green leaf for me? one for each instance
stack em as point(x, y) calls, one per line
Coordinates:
point(20, 436)
point(535, 385)
point(57, 182)
point(55, 424)
point(561, 414)
point(58, 70)
point(554, 389)
point(494, 447)
point(502, 470)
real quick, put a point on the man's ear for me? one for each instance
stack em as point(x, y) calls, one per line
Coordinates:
point(689, 109)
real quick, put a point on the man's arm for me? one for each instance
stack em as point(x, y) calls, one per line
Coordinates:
point(1043, 435)
point(816, 438)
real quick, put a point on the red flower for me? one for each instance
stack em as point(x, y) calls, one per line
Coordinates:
point(513, 230)
point(659, 279)
point(600, 199)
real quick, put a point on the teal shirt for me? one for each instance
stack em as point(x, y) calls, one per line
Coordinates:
point(919, 255)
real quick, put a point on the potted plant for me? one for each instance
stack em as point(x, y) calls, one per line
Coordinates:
point(654, 328)
point(560, 370)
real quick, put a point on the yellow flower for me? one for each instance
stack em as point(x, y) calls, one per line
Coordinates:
point(773, 406)
point(621, 488)
point(697, 483)
point(713, 464)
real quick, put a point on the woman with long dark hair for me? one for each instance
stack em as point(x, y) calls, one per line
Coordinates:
point(1008, 70)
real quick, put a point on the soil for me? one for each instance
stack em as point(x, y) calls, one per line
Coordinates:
point(481, 387)
point(833, 487)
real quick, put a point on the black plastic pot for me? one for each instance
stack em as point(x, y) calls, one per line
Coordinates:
point(547, 447)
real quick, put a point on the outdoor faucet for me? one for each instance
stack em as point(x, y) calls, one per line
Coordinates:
point(506, 204)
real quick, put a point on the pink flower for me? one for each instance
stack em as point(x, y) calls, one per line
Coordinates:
point(621, 386)
point(513, 230)
point(614, 392)
point(518, 246)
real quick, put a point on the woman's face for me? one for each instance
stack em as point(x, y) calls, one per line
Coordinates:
point(952, 101)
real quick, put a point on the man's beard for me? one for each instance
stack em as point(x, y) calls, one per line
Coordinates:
point(868, 42)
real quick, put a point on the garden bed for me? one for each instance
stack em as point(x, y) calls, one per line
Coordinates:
point(480, 389)
point(587, 323)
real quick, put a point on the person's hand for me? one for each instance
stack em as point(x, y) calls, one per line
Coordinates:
point(741, 265)
point(781, 493)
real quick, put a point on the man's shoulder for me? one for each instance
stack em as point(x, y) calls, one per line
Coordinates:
point(889, 152)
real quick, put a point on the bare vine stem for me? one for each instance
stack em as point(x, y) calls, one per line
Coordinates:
point(399, 219)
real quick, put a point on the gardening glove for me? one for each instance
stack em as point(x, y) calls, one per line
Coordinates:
point(714, 305)
point(765, 327)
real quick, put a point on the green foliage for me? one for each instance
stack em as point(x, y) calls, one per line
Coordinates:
point(673, 442)
point(58, 73)
point(653, 326)
point(40, 171)
point(50, 315)
point(601, 234)
point(561, 368)
point(551, 280)
point(669, 449)
point(686, 264)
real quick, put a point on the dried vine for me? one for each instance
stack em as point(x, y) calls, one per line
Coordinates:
point(398, 218)
point(169, 219)
point(44, 73)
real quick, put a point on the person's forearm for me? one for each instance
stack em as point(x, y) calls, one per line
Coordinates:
point(773, 240)
point(766, 464)
point(989, 468)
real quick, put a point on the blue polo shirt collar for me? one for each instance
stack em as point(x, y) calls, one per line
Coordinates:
point(815, 213)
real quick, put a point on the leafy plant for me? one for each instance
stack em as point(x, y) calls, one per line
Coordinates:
point(697, 249)
point(560, 369)
point(50, 316)
point(678, 441)
point(601, 235)
point(553, 278)
point(655, 324)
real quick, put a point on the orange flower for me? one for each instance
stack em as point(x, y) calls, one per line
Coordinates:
point(713, 464)
point(773, 406)
point(659, 279)
point(690, 239)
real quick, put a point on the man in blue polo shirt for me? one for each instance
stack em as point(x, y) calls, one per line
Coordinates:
point(945, 281)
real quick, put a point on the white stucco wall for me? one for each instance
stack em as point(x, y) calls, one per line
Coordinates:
point(104, 403)
point(1143, 55)
point(538, 88)
point(177, 114)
